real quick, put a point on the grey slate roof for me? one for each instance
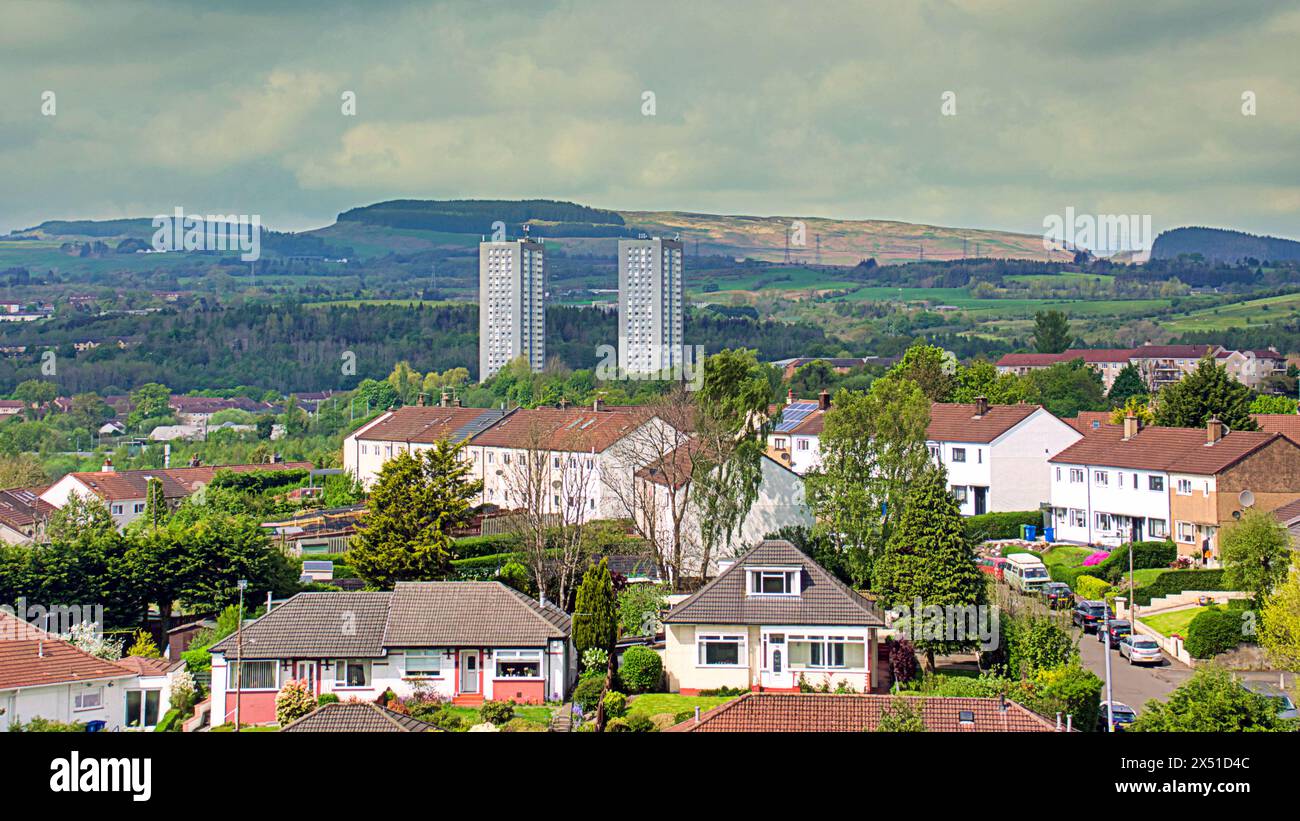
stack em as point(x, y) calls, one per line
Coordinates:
point(357, 717)
point(458, 614)
point(317, 625)
point(824, 600)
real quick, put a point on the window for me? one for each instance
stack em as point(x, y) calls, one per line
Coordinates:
point(519, 663)
point(1184, 487)
point(827, 652)
point(1078, 518)
point(1101, 478)
point(1103, 521)
point(117, 509)
point(258, 675)
point(1076, 476)
point(959, 454)
point(959, 493)
point(936, 453)
point(351, 673)
point(721, 650)
point(423, 663)
point(1157, 528)
point(1058, 474)
point(1156, 483)
point(1186, 532)
point(142, 708)
point(803, 444)
point(772, 582)
point(779, 443)
point(91, 698)
point(138, 507)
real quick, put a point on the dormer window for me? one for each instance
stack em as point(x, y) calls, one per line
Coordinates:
point(774, 581)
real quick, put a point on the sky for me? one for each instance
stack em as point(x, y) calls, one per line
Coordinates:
point(965, 113)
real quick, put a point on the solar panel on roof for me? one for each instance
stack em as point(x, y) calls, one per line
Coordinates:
point(793, 414)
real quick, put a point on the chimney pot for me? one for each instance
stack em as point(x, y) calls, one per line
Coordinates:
point(598, 404)
point(107, 467)
point(789, 397)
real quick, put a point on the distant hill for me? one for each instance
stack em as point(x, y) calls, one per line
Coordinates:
point(1222, 245)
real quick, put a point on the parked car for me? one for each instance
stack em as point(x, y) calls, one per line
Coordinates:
point(991, 565)
point(1116, 629)
point(1140, 649)
point(1090, 614)
point(1025, 572)
point(1058, 594)
point(1285, 706)
point(1120, 714)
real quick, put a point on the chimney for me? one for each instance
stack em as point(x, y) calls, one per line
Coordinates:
point(981, 405)
point(824, 400)
point(598, 404)
point(1131, 427)
point(107, 467)
point(1213, 430)
point(167, 455)
point(563, 404)
point(455, 403)
point(419, 400)
point(445, 400)
point(789, 397)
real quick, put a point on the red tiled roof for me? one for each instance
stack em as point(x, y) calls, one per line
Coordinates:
point(1172, 351)
point(957, 422)
point(427, 425)
point(855, 713)
point(1093, 356)
point(177, 482)
point(30, 657)
point(1029, 360)
point(568, 429)
point(1287, 424)
point(20, 508)
point(1183, 450)
point(1288, 512)
point(1088, 421)
point(144, 666)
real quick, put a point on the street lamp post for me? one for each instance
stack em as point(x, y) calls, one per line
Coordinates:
point(239, 651)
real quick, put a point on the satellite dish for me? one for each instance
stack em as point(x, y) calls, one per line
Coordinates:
point(556, 484)
point(1246, 498)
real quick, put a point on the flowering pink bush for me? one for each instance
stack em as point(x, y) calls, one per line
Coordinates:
point(1096, 558)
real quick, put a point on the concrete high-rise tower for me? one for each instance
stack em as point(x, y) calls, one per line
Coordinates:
point(649, 305)
point(511, 306)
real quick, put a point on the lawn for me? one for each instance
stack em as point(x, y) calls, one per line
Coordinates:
point(536, 714)
point(1065, 556)
point(651, 704)
point(1168, 624)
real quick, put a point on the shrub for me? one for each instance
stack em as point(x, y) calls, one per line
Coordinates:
point(683, 715)
point(988, 526)
point(426, 709)
point(45, 725)
point(1212, 632)
point(1091, 587)
point(1176, 581)
point(595, 661)
point(617, 725)
point(587, 693)
point(170, 723)
point(144, 646)
point(472, 547)
point(615, 704)
point(1036, 643)
point(1070, 690)
point(327, 698)
point(1095, 559)
point(497, 712)
point(185, 692)
point(902, 660)
point(522, 725)
point(641, 724)
point(293, 702)
point(1146, 555)
point(642, 669)
point(514, 574)
point(444, 719)
point(729, 692)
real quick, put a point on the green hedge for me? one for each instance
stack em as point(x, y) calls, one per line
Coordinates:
point(988, 526)
point(472, 547)
point(171, 722)
point(1213, 632)
point(1146, 555)
point(1091, 587)
point(1176, 581)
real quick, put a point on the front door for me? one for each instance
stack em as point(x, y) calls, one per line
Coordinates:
point(981, 500)
point(469, 671)
point(776, 662)
point(306, 671)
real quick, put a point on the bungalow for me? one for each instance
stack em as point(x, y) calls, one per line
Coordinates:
point(41, 675)
point(858, 712)
point(464, 641)
point(770, 619)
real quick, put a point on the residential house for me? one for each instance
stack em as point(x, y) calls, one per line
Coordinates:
point(1252, 368)
point(779, 502)
point(795, 439)
point(409, 430)
point(124, 492)
point(148, 698)
point(769, 619)
point(1162, 365)
point(357, 717)
point(463, 641)
point(861, 712)
point(23, 515)
point(11, 407)
point(1130, 483)
point(1287, 424)
point(199, 410)
point(838, 364)
point(41, 675)
point(317, 532)
point(996, 455)
point(1289, 516)
point(1106, 361)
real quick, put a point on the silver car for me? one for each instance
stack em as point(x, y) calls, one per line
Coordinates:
point(1140, 650)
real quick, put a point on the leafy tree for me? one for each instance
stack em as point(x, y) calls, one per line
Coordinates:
point(1127, 385)
point(36, 393)
point(981, 378)
point(1069, 689)
point(595, 616)
point(375, 396)
point(1256, 553)
point(639, 606)
point(1067, 388)
point(80, 518)
point(148, 402)
point(929, 558)
point(1205, 393)
point(1211, 701)
point(1269, 403)
point(932, 368)
point(1135, 406)
point(21, 470)
point(1279, 631)
point(873, 448)
point(1051, 332)
point(415, 503)
point(1035, 643)
point(89, 411)
point(144, 646)
point(902, 715)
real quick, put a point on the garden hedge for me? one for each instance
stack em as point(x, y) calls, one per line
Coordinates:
point(642, 670)
point(1177, 581)
point(988, 526)
point(472, 547)
point(1091, 587)
point(1213, 632)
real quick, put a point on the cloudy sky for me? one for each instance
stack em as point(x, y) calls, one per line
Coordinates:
point(770, 107)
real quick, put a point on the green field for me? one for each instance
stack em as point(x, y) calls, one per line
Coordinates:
point(1261, 311)
point(1167, 624)
point(652, 704)
point(776, 278)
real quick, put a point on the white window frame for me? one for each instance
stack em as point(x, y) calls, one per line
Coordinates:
point(1077, 476)
point(1190, 529)
point(1101, 478)
point(741, 640)
point(824, 642)
point(1184, 487)
point(754, 577)
point(959, 455)
point(340, 674)
point(423, 672)
point(81, 697)
point(1160, 531)
point(233, 666)
point(499, 656)
point(1078, 517)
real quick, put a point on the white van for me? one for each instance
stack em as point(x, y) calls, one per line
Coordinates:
point(1025, 572)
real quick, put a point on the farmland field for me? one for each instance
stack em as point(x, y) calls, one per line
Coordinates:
point(1267, 309)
